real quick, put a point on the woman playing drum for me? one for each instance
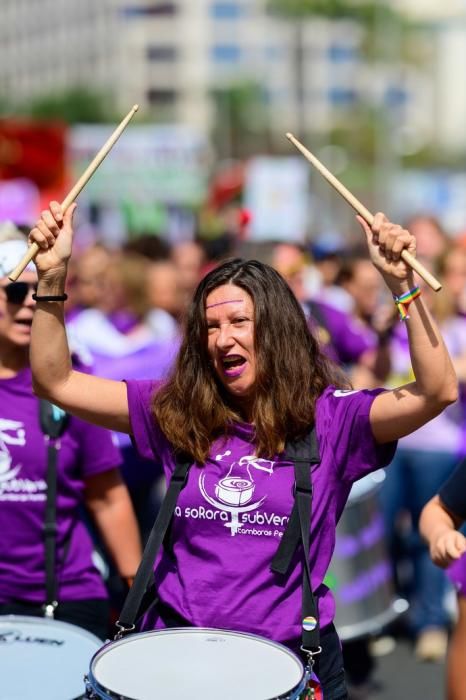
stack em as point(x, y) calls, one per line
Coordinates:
point(249, 378)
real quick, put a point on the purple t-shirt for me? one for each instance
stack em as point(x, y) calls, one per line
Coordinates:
point(114, 355)
point(233, 511)
point(343, 338)
point(457, 575)
point(85, 450)
point(453, 494)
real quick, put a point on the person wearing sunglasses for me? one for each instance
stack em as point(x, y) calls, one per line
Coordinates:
point(16, 292)
point(87, 475)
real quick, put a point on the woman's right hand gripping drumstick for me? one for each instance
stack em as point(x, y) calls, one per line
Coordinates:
point(53, 233)
point(100, 401)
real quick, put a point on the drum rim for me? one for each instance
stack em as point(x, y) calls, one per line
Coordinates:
point(375, 623)
point(96, 686)
point(376, 478)
point(51, 621)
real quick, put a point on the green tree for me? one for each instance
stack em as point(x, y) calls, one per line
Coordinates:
point(241, 124)
point(5, 106)
point(363, 10)
point(75, 105)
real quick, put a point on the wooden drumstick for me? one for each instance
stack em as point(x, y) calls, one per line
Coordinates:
point(76, 189)
point(362, 211)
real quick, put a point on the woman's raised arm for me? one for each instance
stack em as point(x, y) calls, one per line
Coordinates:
point(401, 411)
point(100, 401)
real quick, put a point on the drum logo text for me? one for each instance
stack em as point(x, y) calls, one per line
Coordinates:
point(12, 637)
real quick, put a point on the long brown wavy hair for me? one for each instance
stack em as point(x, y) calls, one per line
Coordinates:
point(193, 407)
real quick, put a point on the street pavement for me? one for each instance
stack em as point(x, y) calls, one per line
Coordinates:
point(400, 676)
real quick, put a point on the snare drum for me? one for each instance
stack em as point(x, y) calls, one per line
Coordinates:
point(190, 662)
point(42, 658)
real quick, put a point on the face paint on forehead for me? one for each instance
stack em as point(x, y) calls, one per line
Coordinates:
point(219, 303)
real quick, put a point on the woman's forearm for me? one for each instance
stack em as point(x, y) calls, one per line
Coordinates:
point(114, 516)
point(435, 383)
point(435, 376)
point(50, 355)
point(439, 528)
point(109, 503)
point(100, 401)
point(434, 521)
point(432, 366)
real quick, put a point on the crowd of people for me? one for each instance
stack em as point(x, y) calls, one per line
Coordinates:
point(229, 362)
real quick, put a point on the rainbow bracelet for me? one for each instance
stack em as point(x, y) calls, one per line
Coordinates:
point(404, 301)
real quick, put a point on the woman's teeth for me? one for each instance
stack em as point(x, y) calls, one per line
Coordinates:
point(233, 366)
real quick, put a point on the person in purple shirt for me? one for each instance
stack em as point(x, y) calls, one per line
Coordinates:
point(342, 336)
point(249, 377)
point(87, 475)
point(440, 520)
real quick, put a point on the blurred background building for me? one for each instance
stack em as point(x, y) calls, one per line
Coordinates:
point(375, 87)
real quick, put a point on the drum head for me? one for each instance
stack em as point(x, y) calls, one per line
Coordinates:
point(43, 658)
point(196, 663)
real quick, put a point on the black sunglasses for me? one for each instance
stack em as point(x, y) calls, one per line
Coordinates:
point(16, 292)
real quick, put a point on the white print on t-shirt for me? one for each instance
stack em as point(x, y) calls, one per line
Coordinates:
point(339, 393)
point(11, 487)
point(233, 494)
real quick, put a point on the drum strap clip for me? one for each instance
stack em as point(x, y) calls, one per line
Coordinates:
point(310, 653)
point(123, 629)
point(311, 687)
point(49, 609)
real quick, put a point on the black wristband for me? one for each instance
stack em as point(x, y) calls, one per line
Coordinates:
point(51, 297)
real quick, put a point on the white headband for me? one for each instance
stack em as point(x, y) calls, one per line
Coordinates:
point(11, 252)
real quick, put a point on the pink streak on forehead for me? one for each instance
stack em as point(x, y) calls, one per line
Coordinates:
point(219, 303)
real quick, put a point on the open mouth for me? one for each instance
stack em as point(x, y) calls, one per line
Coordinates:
point(233, 365)
point(24, 322)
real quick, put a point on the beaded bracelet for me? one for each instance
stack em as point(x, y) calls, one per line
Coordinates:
point(50, 297)
point(402, 302)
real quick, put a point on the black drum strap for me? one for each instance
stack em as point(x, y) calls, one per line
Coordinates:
point(142, 591)
point(303, 453)
point(53, 422)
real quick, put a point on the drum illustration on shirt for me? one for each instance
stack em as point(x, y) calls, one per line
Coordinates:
point(233, 493)
point(237, 488)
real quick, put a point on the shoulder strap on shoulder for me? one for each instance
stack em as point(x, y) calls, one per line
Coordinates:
point(137, 594)
point(304, 451)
